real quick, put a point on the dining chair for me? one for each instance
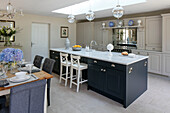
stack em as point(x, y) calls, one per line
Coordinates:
point(79, 67)
point(37, 61)
point(48, 67)
point(27, 98)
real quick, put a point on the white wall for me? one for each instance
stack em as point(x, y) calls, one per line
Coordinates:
point(24, 37)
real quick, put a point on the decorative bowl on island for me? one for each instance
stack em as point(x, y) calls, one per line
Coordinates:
point(76, 48)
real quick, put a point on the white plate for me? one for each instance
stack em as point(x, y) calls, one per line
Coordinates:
point(15, 79)
point(26, 69)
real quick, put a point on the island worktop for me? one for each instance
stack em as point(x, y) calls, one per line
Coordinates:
point(118, 77)
point(104, 56)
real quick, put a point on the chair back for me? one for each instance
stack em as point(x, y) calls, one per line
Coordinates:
point(48, 65)
point(63, 58)
point(28, 98)
point(75, 60)
point(37, 61)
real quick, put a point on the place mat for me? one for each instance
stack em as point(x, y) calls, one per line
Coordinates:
point(3, 83)
point(34, 70)
point(32, 78)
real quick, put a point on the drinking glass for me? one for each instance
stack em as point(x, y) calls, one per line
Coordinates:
point(29, 67)
point(5, 70)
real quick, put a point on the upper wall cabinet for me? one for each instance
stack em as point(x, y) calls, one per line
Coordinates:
point(166, 33)
point(85, 33)
point(154, 33)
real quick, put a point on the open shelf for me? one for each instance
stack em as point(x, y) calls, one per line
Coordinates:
point(122, 27)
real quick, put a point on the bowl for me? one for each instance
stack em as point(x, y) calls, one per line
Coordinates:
point(20, 74)
point(76, 48)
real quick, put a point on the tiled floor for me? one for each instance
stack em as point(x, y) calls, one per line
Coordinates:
point(65, 100)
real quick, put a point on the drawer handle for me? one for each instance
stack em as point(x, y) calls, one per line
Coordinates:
point(104, 70)
point(145, 64)
point(95, 61)
point(113, 65)
point(101, 69)
point(56, 57)
point(53, 52)
point(130, 70)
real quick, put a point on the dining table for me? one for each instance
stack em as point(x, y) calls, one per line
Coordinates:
point(39, 76)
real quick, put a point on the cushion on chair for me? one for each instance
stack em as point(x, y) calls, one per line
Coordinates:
point(37, 61)
point(82, 66)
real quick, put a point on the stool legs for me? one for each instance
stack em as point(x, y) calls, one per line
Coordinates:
point(66, 75)
point(71, 77)
point(61, 69)
point(78, 80)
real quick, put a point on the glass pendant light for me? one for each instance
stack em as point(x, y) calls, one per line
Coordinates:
point(118, 11)
point(71, 18)
point(90, 14)
point(9, 8)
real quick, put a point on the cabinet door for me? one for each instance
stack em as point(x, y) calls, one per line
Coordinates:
point(56, 67)
point(114, 82)
point(95, 77)
point(140, 39)
point(154, 64)
point(80, 34)
point(98, 35)
point(166, 64)
point(166, 33)
point(154, 33)
point(88, 32)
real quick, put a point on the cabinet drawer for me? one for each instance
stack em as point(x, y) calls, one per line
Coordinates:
point(107, 64)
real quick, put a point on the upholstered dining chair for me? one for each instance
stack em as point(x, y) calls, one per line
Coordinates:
point(48, 67)
point(27, 98)
point(37, 61)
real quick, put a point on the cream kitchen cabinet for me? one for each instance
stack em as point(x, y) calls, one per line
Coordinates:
point(166, 33)
point(85, 33)
point(166, 64)
point(155, 62)
point(154, 33)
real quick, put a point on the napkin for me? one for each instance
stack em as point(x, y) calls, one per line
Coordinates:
point(3, 83)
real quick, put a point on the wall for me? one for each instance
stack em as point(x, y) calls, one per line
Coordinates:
point(24, 37)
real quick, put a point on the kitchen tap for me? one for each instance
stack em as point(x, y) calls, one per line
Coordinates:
point(92, 43)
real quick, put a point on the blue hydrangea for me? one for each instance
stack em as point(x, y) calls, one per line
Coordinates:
point(11, 54)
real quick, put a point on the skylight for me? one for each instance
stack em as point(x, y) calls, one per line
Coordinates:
point(95, 5)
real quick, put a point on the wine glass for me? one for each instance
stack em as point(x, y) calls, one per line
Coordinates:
point(29, 67)
point(5, 70)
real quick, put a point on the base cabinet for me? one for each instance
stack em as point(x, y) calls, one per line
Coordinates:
point(56, 56)
point(114, 82)
point(166, 64)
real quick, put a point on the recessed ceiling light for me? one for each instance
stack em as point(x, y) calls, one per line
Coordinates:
point(96, 5)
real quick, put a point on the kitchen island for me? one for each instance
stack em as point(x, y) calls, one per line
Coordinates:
point(118, 77)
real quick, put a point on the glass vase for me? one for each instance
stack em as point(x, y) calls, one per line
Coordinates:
point(7, 41)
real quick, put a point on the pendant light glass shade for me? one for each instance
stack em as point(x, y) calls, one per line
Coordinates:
point(9, 8)
point(90, 15)
point(71, 18)
point(118, 11)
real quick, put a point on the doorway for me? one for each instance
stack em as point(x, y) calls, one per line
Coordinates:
point(40, 40)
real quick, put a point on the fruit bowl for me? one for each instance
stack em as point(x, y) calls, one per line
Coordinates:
point(76, 48)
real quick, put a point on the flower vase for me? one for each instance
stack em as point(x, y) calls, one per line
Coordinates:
point(7, 41)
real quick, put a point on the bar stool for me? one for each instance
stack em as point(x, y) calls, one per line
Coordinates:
point(79, 67)
point(64, 62)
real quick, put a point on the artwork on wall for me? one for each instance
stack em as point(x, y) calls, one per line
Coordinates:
point(64, 32)
point(7, 23)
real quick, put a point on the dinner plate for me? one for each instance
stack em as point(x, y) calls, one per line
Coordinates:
point(15, 79)
point(26, 69)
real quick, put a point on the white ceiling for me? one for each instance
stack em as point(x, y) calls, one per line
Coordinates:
point(44, 7)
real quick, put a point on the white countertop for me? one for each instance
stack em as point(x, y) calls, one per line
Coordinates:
point(104, 56)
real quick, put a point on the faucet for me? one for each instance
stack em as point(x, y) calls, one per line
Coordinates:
point(92, 43)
